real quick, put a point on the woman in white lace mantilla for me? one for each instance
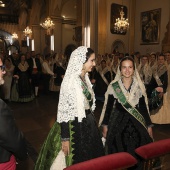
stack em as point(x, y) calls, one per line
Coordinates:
point(153, 62)
point(161, 115)
point(125, 116)
point(75, 132)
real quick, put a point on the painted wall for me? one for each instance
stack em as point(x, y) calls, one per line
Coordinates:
point(145, 5)
point(69, 11)
point(67, 35)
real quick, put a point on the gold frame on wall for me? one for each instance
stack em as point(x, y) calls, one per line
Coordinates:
point(150, 27)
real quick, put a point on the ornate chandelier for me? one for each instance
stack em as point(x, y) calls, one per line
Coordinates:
point(48, 25)
point(14, 36)
point(121, 25)
point(2, 4)
point(27, 32)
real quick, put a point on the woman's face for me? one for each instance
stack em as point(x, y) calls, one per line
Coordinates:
point(88, 66)
point(23, 58)
point(144, 60)
point(153, 58)
point(127, 68)
point(161, 60)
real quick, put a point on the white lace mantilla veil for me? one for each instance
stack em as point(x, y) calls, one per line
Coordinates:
point(147, 72)
point(71, 99)
point(139, 83)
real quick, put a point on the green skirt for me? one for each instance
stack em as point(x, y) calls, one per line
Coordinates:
point(52, 147)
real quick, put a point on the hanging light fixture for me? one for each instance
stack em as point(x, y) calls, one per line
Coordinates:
point(2, 4)
point(48, 25)
point(14, 36)
point(27, 32)
point(121, 25)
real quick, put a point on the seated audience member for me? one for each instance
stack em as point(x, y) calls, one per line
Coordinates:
point(160, 114)
point(115, 64)
point(153, 62)
point(145, 72)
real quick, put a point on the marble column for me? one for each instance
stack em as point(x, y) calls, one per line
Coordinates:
point(94, 25)
point(131, 26)
point(38, 35)
point(85, 22)
point(57, 32)
point(90, 23)
point(102, 28)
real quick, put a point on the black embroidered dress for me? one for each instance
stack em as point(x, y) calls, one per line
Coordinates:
point(125, 133)
point(84, 137)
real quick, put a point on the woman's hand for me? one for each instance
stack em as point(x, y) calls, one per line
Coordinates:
point(159, 89)
point(65, 147)
point(150, 132)
point(104, 132)
point(93, 81)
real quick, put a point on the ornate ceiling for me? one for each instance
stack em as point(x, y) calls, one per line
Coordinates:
point(13, 6)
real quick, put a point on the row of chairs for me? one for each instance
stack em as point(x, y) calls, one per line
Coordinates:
point(124, 160)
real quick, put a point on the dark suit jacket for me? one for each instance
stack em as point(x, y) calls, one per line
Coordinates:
point(11, 139)
point(31, 64)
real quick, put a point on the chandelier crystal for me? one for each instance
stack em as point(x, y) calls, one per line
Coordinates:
point(121, 25)
point(48, 25)
point(27, 32)
point(14, 36)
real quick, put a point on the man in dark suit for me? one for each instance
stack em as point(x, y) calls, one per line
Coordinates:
point(35, 71)
point(12, 142)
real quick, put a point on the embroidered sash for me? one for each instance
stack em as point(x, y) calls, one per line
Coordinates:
point(159, 72)
point(158, 81)
point(133, 111)
point(86, 93)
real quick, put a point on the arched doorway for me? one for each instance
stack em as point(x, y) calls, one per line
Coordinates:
point(8, 43)
point(118, 46)
point(12, 49)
